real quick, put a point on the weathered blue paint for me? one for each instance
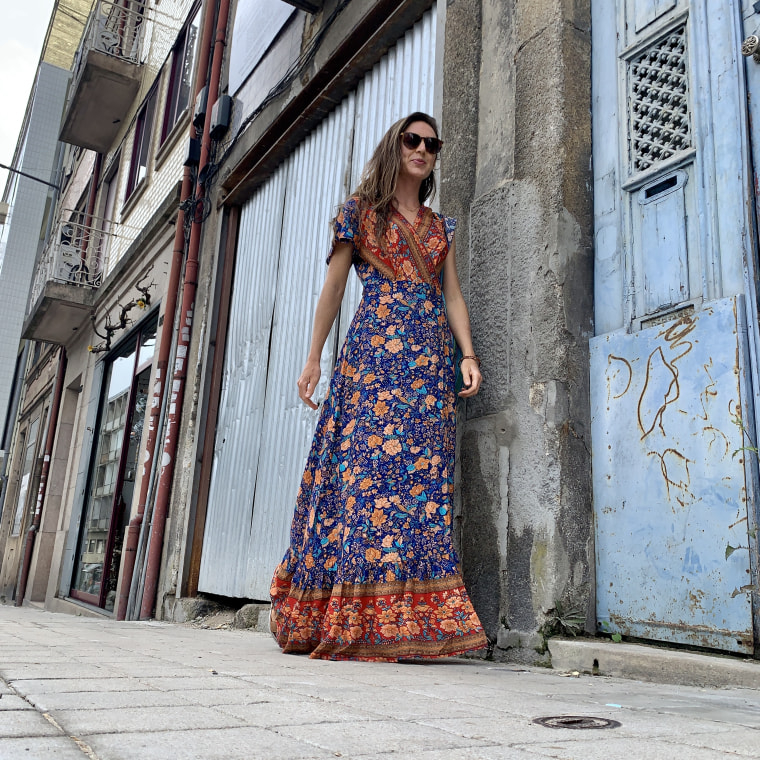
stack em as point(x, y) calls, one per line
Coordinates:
point(674, 235)
point(670, 494)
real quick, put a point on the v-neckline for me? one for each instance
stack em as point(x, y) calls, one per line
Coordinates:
point(413, 223)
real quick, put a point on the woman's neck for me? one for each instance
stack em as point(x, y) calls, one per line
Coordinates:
point(407, 194)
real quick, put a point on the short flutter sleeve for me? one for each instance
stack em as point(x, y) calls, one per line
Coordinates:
point(346, 227)
point(449, 225)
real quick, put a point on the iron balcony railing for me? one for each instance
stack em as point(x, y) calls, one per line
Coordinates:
point(80, 252)
point(114, 28)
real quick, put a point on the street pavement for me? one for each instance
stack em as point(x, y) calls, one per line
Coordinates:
point(78, 687)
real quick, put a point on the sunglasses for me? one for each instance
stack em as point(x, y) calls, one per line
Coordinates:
point(432, 144)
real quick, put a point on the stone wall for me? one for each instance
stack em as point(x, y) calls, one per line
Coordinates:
point(516, 120)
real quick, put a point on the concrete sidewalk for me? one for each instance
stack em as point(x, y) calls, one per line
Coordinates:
point(76, 687)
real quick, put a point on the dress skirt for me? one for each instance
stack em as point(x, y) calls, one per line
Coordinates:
point(371, 572)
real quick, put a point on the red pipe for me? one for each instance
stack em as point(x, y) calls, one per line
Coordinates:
point(164, 346)
point(161, 506)
point(31, 536)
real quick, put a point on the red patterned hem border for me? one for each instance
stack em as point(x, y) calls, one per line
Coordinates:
point(376, 622)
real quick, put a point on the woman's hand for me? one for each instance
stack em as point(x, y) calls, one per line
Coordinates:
point(307, 383)
point(471, 377)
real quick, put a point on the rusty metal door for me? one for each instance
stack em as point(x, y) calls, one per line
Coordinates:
point(673, 365)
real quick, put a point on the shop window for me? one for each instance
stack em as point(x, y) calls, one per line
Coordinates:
point(138, 167)
point(113, 469)
point(181, 74)
point(27, 474)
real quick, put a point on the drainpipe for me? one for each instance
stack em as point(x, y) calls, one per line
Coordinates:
point(31, 536)
point(167, 333)
point(161, 508)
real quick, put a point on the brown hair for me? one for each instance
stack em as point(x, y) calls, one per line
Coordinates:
point(378, 180)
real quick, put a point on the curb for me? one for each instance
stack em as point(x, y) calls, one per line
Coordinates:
point(650, 663)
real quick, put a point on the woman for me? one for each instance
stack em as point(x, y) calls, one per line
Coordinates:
point(371, 572)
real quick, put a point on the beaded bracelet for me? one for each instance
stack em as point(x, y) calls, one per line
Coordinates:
point(470, 357)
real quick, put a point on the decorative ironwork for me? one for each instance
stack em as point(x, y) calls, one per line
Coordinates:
point(122, 321)
point(660, 124)
point(114, 28)
point(78, 251)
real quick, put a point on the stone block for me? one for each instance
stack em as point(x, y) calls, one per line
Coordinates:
point(254, 616)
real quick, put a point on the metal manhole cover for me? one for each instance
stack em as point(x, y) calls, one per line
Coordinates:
point(576, 721)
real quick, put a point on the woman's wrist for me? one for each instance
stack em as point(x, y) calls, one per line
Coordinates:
point(471, 357)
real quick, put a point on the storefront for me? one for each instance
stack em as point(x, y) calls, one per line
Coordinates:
point(121, 418)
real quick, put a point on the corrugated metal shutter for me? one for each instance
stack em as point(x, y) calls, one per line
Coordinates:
point(241, 407)
point(264, 431)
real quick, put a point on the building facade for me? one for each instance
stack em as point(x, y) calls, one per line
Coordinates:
point(606, 246)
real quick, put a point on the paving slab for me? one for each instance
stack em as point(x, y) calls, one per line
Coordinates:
point(58, 685)
point(12, 702)
point(144, 719)
point(219, 744)
point(355, 739)
point(104, 700)
point(40, 748)
point(25, 723)
point(611, 747)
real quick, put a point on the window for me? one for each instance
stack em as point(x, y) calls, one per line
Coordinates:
point(181, 74)
point(141, 148)
point(124, 402)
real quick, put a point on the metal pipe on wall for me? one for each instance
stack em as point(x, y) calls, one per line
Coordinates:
point(167, 331)
point(161, 507)
point(31, 536)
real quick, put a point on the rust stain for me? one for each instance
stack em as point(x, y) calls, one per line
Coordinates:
point(717, 433)
point(656, 421)
point(740, 520)
point(708, 391)
point(630, 375)
point(673, 464)
point(675, 337)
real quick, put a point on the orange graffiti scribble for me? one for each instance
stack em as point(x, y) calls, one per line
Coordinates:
point(667, 398)
point(630, 373)
point(677, 462)
point(717, 433)
point(674, 336)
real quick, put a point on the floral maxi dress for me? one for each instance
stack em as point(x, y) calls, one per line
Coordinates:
point(371, 572)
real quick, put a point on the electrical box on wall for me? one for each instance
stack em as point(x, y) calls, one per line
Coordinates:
point(220, 117)
point(192, 153)
point(199, 111)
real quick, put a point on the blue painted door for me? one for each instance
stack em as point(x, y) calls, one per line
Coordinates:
point(673, 365)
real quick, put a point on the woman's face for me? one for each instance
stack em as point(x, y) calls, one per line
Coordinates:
point(417, 163)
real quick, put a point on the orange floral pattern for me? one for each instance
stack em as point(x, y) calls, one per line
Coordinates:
point(371, 572)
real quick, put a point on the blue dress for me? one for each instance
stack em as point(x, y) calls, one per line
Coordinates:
point(371, 572)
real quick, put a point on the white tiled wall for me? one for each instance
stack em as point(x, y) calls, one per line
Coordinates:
point(28, 211)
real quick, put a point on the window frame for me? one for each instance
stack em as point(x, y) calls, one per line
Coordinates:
point(141, 144)
point(177, 61)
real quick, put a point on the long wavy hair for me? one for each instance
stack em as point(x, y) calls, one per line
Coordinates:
point(377, 185)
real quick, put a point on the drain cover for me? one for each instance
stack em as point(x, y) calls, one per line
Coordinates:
point(576, 721)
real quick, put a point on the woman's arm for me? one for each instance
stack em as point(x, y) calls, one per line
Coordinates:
point(459, 321)
point(324, 316)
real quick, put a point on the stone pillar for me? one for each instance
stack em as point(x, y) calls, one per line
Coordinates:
point(517, 126)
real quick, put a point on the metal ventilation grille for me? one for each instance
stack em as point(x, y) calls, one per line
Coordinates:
point(659, 101)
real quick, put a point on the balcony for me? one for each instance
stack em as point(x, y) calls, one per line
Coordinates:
point(71, 269)
point(106, 75)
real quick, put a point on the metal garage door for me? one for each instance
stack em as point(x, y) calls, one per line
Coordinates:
point(264, 431)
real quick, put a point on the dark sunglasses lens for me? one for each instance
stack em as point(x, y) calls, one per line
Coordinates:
point(410, 140)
